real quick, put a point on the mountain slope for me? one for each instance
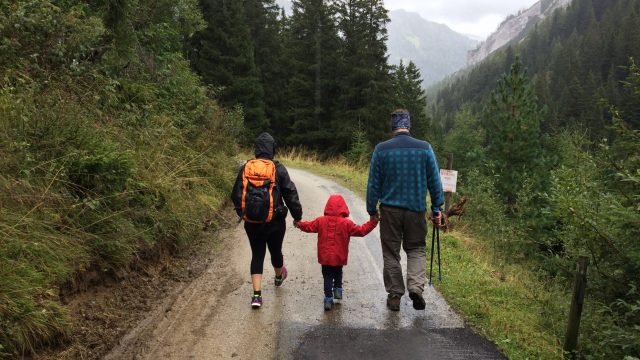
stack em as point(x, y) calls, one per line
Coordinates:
point(436, 49)
point(574, 60)
point(515, 28)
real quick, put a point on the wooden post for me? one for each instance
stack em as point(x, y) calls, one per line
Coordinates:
point(571, 338)
point(447, 195)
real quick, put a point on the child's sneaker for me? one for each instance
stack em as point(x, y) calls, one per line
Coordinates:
point(256, 301)
point(337, 294)
point(328, 303)
point(280, 279)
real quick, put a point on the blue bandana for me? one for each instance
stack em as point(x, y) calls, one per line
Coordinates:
point(400, 120)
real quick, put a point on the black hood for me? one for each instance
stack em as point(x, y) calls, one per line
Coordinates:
point(265, 146)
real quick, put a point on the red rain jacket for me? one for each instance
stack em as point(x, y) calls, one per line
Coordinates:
point(334, 231)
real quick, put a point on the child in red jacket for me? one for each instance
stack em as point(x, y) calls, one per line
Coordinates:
point(334, 231)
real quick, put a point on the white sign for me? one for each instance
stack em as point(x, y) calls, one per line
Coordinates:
point(449, 179)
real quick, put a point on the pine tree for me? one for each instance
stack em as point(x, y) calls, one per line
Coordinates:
point(512, 122)
point(408, 94)
point(267, 21)
point(365, 79)
point(223, 54)
point(313, 44)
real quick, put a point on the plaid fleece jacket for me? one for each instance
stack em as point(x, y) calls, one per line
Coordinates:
point(401, 171)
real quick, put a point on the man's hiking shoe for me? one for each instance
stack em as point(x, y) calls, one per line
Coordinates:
point(393, 302)
point(418, 301)
point(256, 301)
point(280, 279)
point(328, 303)
point(337, 294)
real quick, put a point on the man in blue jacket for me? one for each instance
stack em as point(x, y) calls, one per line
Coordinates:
point(402, 169)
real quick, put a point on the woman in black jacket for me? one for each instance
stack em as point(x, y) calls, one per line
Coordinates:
point(268, 234)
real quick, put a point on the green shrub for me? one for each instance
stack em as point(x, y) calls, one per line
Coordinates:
point(109, 153)
point(102, 171)
point(615, 328)
point(360, 149)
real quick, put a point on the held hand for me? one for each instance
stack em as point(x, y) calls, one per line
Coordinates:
point(375, 217)
point(295, 223)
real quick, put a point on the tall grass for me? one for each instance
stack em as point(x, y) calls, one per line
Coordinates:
point(111, 151)
point(88, 188)
point(338, 168)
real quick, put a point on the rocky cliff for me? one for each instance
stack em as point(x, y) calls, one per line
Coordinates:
point(515, 28)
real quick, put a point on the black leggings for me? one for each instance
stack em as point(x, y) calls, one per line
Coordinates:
point(262, 236)
point(332, 278)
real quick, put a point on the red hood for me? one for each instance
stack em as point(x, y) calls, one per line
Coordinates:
point(336, 206)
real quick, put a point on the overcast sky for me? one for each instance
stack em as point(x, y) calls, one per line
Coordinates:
point(472, 17)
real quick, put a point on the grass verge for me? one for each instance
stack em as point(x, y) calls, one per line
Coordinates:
point(88, 192)
point(506, 303)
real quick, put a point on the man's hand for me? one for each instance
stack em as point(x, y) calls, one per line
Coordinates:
point(375, 217)
point(436, 218)
point(295, 223)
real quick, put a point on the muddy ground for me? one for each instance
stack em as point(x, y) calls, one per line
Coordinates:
point(105, 310)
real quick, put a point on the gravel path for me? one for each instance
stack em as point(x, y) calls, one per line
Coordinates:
point(210, 318)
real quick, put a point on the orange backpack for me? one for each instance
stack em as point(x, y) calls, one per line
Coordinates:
point(258, 183)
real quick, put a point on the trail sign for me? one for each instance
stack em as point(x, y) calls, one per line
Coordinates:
point(449, 179)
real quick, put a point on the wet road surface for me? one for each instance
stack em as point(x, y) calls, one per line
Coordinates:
point(211, 318)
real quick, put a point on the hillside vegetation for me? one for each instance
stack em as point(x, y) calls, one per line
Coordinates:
point(546, 137)
point(111, 150)
point(575, 59)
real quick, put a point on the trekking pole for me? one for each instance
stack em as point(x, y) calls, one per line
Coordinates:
point(433, 239)
point(438, 239)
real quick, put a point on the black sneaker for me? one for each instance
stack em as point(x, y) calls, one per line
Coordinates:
point(283, 275)
point(393, 302)
point(256, 301)
point(418, 301)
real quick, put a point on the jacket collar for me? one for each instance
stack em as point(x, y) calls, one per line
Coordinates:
point(402, 133)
